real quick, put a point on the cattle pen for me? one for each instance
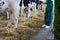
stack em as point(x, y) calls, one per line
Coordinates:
point(26, 27)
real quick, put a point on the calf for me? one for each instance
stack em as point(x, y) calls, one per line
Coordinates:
point(32, 4)
point(28, 4)
point(24, 7)
point(13, 10)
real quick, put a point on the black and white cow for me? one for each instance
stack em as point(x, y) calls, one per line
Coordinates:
point(25, 2)
point(29, 4)
point(32, 4)
point(11, 7)
point(23, 5)
point(24, 8)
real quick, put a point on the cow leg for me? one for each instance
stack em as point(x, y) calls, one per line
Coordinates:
point(15, 19)
point(7, 15)
point(22, 10)
point(15, 22)
point(10, 21)
point(29, 11)
point(8, 12)
point(16, 15)
point(24, 15)
point(34, 7)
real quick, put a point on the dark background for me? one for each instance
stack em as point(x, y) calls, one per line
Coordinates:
point(57, 20)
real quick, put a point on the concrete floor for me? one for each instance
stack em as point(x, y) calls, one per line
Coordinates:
point(43, 34)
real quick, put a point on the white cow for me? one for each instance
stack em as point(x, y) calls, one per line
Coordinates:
point(12, 7)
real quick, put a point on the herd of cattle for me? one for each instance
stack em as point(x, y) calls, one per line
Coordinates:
point(12, 8)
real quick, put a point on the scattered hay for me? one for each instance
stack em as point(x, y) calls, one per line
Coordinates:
point(25, 29)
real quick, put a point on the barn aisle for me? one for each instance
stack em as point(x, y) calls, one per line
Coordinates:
point(43, 34)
